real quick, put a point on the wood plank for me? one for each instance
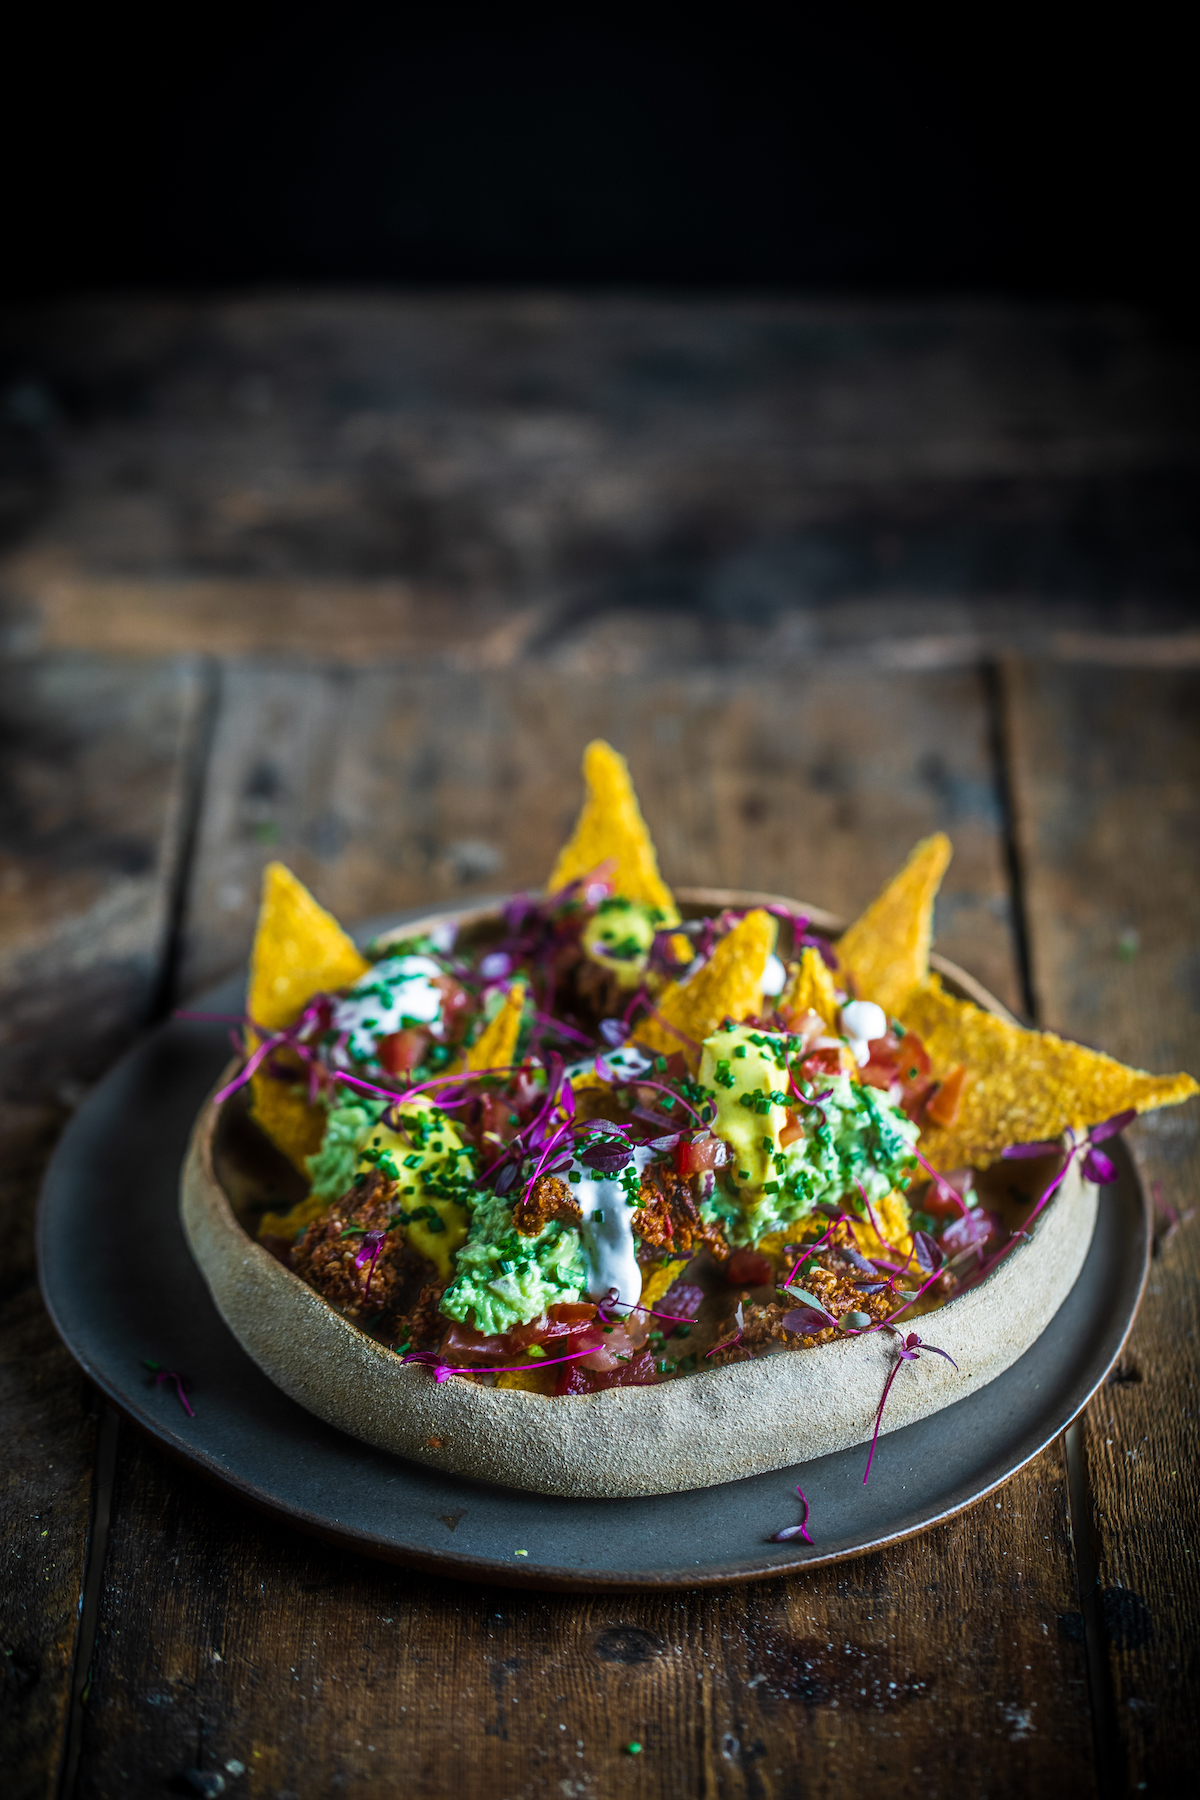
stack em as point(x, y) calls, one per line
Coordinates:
point(94, 770)
point(923, 1669)
point(1108, 782)
point(386, 789)
point(317, 1671)
point(398, 475)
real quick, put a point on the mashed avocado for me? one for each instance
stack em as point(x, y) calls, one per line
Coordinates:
point(332, 1168)
point(854, 1135)
point(505, 1279)
point(436, 1173)
point(620, 934)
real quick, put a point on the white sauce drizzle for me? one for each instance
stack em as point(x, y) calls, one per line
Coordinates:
point(624, 1063)
point(606, 1234)
point(397, 989)
point(862, 1020)
point(774, 976)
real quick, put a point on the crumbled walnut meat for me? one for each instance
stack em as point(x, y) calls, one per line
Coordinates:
point(423, 1326)
point(669, 1218)
point(551, 1198)
point(325, 1258)
point(835, 1289)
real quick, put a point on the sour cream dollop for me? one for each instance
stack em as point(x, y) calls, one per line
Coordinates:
point(606, 1234)
point(862, 1021)
point(397, 989)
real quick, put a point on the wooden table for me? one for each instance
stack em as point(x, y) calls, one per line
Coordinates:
point(351, 582)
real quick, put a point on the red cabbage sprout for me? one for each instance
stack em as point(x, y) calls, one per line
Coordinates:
point(909, 1350)
point(791, 1531)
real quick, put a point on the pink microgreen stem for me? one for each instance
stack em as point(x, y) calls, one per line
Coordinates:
point(791, 1531)
point(909, 1350)
point(942, 1185)
point(641, 1081)
point(441, 1369)
point(181, 1384)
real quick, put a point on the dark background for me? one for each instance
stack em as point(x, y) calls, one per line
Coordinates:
point(1014, 150)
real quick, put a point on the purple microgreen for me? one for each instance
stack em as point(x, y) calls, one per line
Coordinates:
point(1111, 1127)
point(943, 1186)
point(442, 1369)
point(495, 965)
point(370, 1250)
point(1016, 1152)
point(927, 1251)
point(852, 1256)
point(181, 1383)
point(605, 1157)
point(1099, 1168)
point(809, 1300)
point(802, 1321)
point(791, 1531)
point(870, 1287)
point(665, 1143)
point(506, 1177)
point(908, 1350)
point(614, 1032)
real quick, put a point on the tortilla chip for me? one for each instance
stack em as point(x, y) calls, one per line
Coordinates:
point(299, 950)
point(656, 1284)
point(1022, 1087)
point(887, 950)
point(292, 1124)
point(528, 1381)
point(811, 989)
point(496, 1045)
point(895, 1220)
point(291, 1223)
point(612, 831)
point(728, 986)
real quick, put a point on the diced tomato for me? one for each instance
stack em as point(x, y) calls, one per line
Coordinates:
point(497, 1118)
point(937, 1202)
point(705, 1153)
point(944, 1105)
point(456, 1004)
point(746, 1268)
point(572, 1312)
point(912, 1058)
point(791, 1131)
point(401, 1051)
point(639, 1371)
point(826, 1061)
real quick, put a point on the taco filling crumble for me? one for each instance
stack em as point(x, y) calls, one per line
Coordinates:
point(594, 1143)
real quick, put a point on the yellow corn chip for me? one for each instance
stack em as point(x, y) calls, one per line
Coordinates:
point(811, 989)
point(728, 986)
point(528, 1381)
point(291, 1223)
point(895, 1221)
point(887, 950)
point(294, 1126)
point(299, 950)
point(656, 1285)
point(611, 830)
point(496, 1045)
point(1022, 1087)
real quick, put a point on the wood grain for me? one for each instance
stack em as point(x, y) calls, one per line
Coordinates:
point(231, 1640)
point(1107, 773)
point(227, 1639)
point(387, 790)
point(93, 775)
point(399, 475)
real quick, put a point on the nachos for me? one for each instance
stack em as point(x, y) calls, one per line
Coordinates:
point(598, 1143)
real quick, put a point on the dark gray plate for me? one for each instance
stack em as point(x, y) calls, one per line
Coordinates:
point(121, 1286)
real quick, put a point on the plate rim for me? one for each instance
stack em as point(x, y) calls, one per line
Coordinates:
point(464, 1566)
